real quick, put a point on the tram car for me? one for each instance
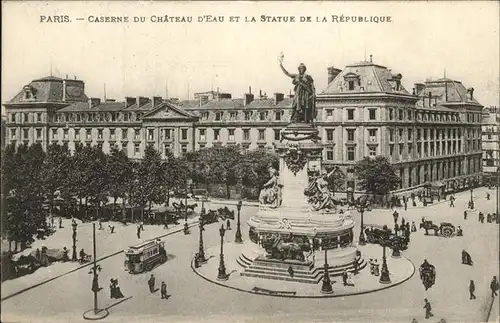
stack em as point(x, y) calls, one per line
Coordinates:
point(145, 256)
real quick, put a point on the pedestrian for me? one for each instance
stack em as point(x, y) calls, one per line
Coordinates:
point(396, 228)
point(452, 201)
point(413, 227)
point(60, 222)
point(488, 196)
point(413, 202)
point(142, 226)
point(344, 277)
point(376, 270)
point(138, 232)
point(460, 233)
point(37, 255)
point(165, 224)
point(372, 266)
point(52, 222)
point(488, 218)
point(228, 224)
point(406, 205)
point(414, 320)
point(403, 222)
point(408, 227)
point(472, 288)
point(395, 215)
point(465, 215)
point(290, 271)
point(355, 266)
point(163, 290)
point(494, 286)
point(82, 256)
point(480, 215)
point(151, 283)
point(428, 309)
point(112, 229)
point(65, 255)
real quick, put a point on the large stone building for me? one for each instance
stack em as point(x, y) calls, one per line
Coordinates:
point(432, 134)
point(491, 142)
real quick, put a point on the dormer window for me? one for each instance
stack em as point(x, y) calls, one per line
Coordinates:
point(351, 85)
point(28, 93)
point(351, 80)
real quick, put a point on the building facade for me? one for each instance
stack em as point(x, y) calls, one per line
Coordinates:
point(431, 135)
point(491, 142)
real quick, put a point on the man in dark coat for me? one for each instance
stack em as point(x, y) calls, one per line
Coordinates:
point(395, 215)
point(344, 277)
point(472, 288)
point(428, 309)
point(138, 232)
point(494, 286)
point(163, 290)
point(465, 215)
point(151, 283)
point(60, 223)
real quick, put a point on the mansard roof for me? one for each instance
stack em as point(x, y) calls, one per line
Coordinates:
point(369, 78)
point(445, 91)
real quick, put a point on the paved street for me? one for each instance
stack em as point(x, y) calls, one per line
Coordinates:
point(194, 299)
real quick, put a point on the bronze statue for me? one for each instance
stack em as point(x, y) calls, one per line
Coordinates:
point(304, 105)
point(270, 195)
point(320, 196)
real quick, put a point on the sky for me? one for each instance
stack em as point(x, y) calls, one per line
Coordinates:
point(423, 40)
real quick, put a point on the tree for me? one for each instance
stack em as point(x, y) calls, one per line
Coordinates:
point(119, 171)
point(254, 168)
point(376, 175)
point(223, 163)
point(336, 181)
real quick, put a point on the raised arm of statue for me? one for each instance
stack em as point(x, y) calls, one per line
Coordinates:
point(286, 72)
point(270, 183)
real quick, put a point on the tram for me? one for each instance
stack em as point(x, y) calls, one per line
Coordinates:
point(145, 256)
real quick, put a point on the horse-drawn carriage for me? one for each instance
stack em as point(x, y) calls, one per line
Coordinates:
point(213, 215)
point(445, 229)
point(427, 274)
point(386, 236)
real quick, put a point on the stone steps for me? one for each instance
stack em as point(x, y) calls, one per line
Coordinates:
point(279, 270)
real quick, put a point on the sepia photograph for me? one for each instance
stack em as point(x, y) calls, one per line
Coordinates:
point(250, 161)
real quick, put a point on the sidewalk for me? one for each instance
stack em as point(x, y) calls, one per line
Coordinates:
point(108, 245)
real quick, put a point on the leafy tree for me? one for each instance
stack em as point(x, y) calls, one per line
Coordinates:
point(254, 167)
point(376, 175)
point(119, 171)
point(55, 171)
point(224, 164)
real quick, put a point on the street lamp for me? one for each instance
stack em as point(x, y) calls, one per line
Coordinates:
point(186, 227)
point(222, 268)
point(361, 210)
point(95, 268)
point(73, 256)
point(201, 251)
point(326, 288)
point(237, 238)
point(384, 273)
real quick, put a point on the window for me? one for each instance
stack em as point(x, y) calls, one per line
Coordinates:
point(401, 114)
point(372, 151)
point(77, 134)
point(99, 133)
point(12, 133)
point(401, 148)
point(124, 134)
point(248, 115)
point(137, 134)
point(26, 134)
point(231, 134)
point(99, 145)
point(166, 134)
point(425, 134)
point(371, 113)
point(410, 113)
point(419, 134)
point(137, 149)
point(38, 134)
point(329, 154)
point(262, 134)
point(329, 134)
point(54, 134)
point(350, 134)
point(246, 134)
point(350, 114)
point(410, 132)
point(167, 148)
point(216, 134)
point(218, 116)
point(125, 117)
point(184, 134)
point(489, 136)
point(26, 117)
point(184, 148)
point(277, 134)
point(350, 153)
point(391, 135)
point(112, 134)
point(38, 117)
point(351, 85)
point(391, 150)
point(400, 134)
point(410, 150)
point(89, 133)
point(203, 135)
point(65, 134)
point(372, 135)
point(277, 115)
point(78, 117)
point(391, 116)
point(202, 146)
point(329, 114)
point(263, 116)
point(13, 117)
point(113, 117)
point(232, 115)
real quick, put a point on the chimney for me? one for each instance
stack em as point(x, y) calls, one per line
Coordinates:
point(278, 97)
point(64, 89)
point(156, 100)
point(471, 92)
point(75, 77)
point(260, 94)
point(413, 91)
point(371, 60)
point(93, 102)
point(419, 87)
point(430, 99)
point(142, 101)
point(130, 101)
point(332, 73)
point(249, 97)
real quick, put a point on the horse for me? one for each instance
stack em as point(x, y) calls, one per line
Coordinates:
point(428, 225)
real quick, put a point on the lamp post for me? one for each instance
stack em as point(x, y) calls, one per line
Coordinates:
point(73, 256)
point(237, 238)
point(362, 240)
point(471, 198)
point(326, 288)
point(497, 187)
point(186, 227)
point(201, 251)
point(95, 268)
point(222, 268)
point(384, 273)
